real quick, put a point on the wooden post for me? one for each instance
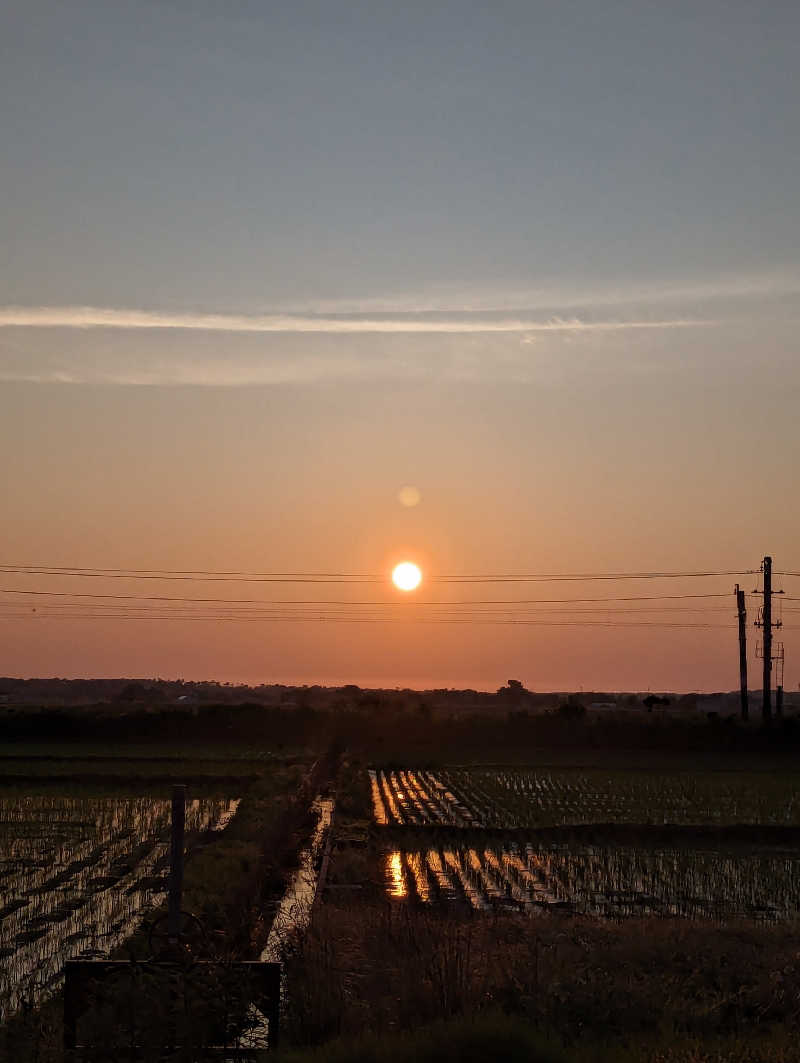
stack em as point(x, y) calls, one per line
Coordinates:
point(272, 974)
point(176, 864)
point(72, 1002)
point(742, 611)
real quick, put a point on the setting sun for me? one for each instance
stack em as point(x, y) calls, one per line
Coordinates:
point(406, 576)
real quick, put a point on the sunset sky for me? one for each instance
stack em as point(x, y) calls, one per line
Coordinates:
point(262, 266)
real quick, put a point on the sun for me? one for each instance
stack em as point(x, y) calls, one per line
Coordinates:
point(406, 576)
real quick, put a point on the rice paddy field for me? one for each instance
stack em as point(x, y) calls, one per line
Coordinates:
point(557, 797)
point(78, 872)
point(524, 840)
point(53, 766)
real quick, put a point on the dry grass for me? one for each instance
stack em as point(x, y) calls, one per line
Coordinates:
point(660, 990)
point(488, 1038)
point(384, 967)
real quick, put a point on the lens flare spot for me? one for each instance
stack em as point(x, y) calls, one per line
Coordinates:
point(409, 496)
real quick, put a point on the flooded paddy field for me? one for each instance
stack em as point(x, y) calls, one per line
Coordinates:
point(78, 871)
point(534, 798)
point(717, 846)
point(610, 881)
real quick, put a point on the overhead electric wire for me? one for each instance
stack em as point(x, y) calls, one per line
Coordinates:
point(64, 612)
point(340, 577)
point(399, 603)
point(192, 578)
point(543, 622)
point(628, 611)
point(583, 577)
point(99, 570)
point(62, 609)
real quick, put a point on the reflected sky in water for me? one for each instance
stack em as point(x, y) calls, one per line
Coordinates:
point(76, 876)
point(612, 881)
point(484, 797)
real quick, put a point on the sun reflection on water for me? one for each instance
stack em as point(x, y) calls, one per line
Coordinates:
point(397, 882)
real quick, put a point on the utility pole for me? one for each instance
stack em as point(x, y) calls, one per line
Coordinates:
point(766, 623)
point(779, 659)
point(742, 611)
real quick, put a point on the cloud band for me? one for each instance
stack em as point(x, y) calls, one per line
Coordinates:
point(78, 317)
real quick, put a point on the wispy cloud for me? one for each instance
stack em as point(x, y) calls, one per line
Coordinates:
point(82, 317)
point(564, 299)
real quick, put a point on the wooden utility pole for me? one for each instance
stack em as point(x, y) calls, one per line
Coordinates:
point(779, 662)
point(742, 611)
point(766, 706)
point(176, 864)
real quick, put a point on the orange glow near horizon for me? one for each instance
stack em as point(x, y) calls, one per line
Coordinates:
point(116, 507)
point(406, 576)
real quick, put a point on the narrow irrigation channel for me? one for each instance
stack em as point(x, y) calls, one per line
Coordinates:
point(293, 916)
point(294, 911)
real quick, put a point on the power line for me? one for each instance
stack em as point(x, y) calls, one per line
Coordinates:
point(398, 604)
point(544, 622)
point(340, 577)
point(277, 578)
point(66, 611)
point(586, 576)
point(77, 570)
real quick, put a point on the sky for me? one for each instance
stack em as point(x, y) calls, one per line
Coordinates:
point(264, 265)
